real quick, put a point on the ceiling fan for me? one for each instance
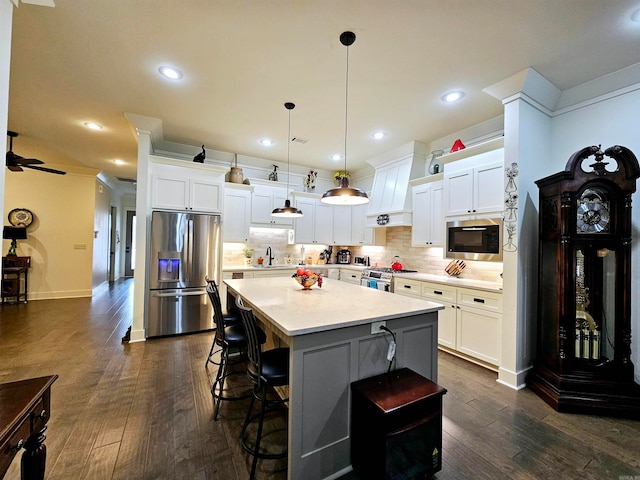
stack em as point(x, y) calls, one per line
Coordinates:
point(15, 163)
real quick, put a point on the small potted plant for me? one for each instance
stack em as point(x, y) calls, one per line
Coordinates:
point(339, 175)
point(248, 254)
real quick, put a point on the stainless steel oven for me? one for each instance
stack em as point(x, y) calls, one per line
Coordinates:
point(380, 278)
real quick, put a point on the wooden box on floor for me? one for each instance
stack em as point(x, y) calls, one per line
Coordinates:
point(396, 426)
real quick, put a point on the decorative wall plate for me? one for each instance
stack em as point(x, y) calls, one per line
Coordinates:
point(20, 217)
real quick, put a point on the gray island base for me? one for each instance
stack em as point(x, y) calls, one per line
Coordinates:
point(328, 331)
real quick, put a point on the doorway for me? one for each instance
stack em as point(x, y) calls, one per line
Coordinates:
point(114, 240)
point(130, 246)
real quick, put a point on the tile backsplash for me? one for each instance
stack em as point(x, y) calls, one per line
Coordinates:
point(423, 259)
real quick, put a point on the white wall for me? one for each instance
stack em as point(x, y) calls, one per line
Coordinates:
point(63, 208)
point(614, 120)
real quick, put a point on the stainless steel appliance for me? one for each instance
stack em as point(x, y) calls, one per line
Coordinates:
point(362, 261)
point(186, 248)
point(475, 239)
point(343, 257)
point(380, 278)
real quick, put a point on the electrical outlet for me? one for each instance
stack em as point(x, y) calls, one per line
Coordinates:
point(375, 327)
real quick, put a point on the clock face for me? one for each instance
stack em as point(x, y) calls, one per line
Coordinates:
point(20, 217)
point(592, 213)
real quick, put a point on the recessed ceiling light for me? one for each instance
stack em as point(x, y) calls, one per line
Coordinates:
point(117, 161)
point(93, 126)
point(267, 142)
point(170, 72)
point(378, 135)
point(336, 157)
point(635, 16)
point(452, 96)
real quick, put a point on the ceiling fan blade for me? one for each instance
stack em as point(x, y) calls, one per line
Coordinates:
point(29, 161)
point(45, 169)
point(14, 168)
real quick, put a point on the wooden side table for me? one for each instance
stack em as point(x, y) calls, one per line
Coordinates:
point(396, 426)
point(24, 411)
point(15, 275)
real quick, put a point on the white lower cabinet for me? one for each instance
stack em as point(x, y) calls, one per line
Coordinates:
point(447, 329)
point(350, 276)
point(470, 323)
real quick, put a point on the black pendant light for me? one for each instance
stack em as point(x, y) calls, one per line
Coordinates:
point(344, 194)
point(287, 211)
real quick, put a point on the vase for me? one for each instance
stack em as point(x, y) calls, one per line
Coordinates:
point(235, 176)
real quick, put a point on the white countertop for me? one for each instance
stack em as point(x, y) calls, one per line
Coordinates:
point(321, 266)
point(336, 305)
point(453, 281)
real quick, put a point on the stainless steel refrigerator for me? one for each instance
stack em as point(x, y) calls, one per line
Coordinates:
point(185, 249)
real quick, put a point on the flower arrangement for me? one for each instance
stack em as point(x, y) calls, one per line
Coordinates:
point(339, 175)
point(310, 180)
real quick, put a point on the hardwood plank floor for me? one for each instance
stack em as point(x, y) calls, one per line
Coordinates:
point(144, 410)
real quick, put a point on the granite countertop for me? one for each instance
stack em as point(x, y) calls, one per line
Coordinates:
point(297, 312)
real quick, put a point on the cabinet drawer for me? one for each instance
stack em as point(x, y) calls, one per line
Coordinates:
point(439, 293)
point(8, 449)
point(478, 299)
point(403, 286)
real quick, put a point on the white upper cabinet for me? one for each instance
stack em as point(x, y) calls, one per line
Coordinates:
point(267, 196)
point(475, 185)
point(236, 216)
point(180, 185)
point(342, 225)
point(428, 212)
point(316, 226)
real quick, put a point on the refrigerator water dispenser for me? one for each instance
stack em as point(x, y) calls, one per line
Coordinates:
point(168, 268)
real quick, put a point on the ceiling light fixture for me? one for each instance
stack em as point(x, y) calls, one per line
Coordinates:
point(287, 211)
point(378, 135)
point(336, 157)
point(170, 72)
point(117, 161)
point(452, 96)
point(93, 126)
point(344, 194)
point(266, 142)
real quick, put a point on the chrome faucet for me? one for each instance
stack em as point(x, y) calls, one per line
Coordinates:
point(269, 255)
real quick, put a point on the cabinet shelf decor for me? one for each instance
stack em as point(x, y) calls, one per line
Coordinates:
point(583, 362)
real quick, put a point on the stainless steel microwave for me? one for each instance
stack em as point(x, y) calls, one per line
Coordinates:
point(475, 239)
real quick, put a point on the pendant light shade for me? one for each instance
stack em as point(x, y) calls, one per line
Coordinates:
point(344, 194)
point(287, 211)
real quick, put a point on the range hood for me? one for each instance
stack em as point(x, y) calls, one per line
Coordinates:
point(390, 200)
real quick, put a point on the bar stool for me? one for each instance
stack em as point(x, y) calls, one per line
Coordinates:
point(229, 339)
point(228, 319)
point(265, 369)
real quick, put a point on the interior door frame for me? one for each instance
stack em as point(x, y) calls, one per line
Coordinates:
point(128, 250)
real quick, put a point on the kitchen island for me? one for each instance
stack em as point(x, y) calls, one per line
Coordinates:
point(328, 330)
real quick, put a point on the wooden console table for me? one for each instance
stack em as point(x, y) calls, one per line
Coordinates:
point(24, 412)
point(15, 272)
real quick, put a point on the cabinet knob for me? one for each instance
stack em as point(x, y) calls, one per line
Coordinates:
point(18, 445)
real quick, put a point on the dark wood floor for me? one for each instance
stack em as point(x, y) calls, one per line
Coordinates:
point(144, 411)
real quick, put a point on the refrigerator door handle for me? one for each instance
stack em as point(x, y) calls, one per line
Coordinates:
point(179, 294)
point(189, 249)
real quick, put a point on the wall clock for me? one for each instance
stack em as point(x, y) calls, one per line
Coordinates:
point(20, 217)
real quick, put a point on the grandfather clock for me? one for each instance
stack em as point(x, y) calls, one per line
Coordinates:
point(583, 362)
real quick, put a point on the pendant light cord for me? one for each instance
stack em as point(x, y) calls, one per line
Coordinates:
point(346, 112)
point(288, 148)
